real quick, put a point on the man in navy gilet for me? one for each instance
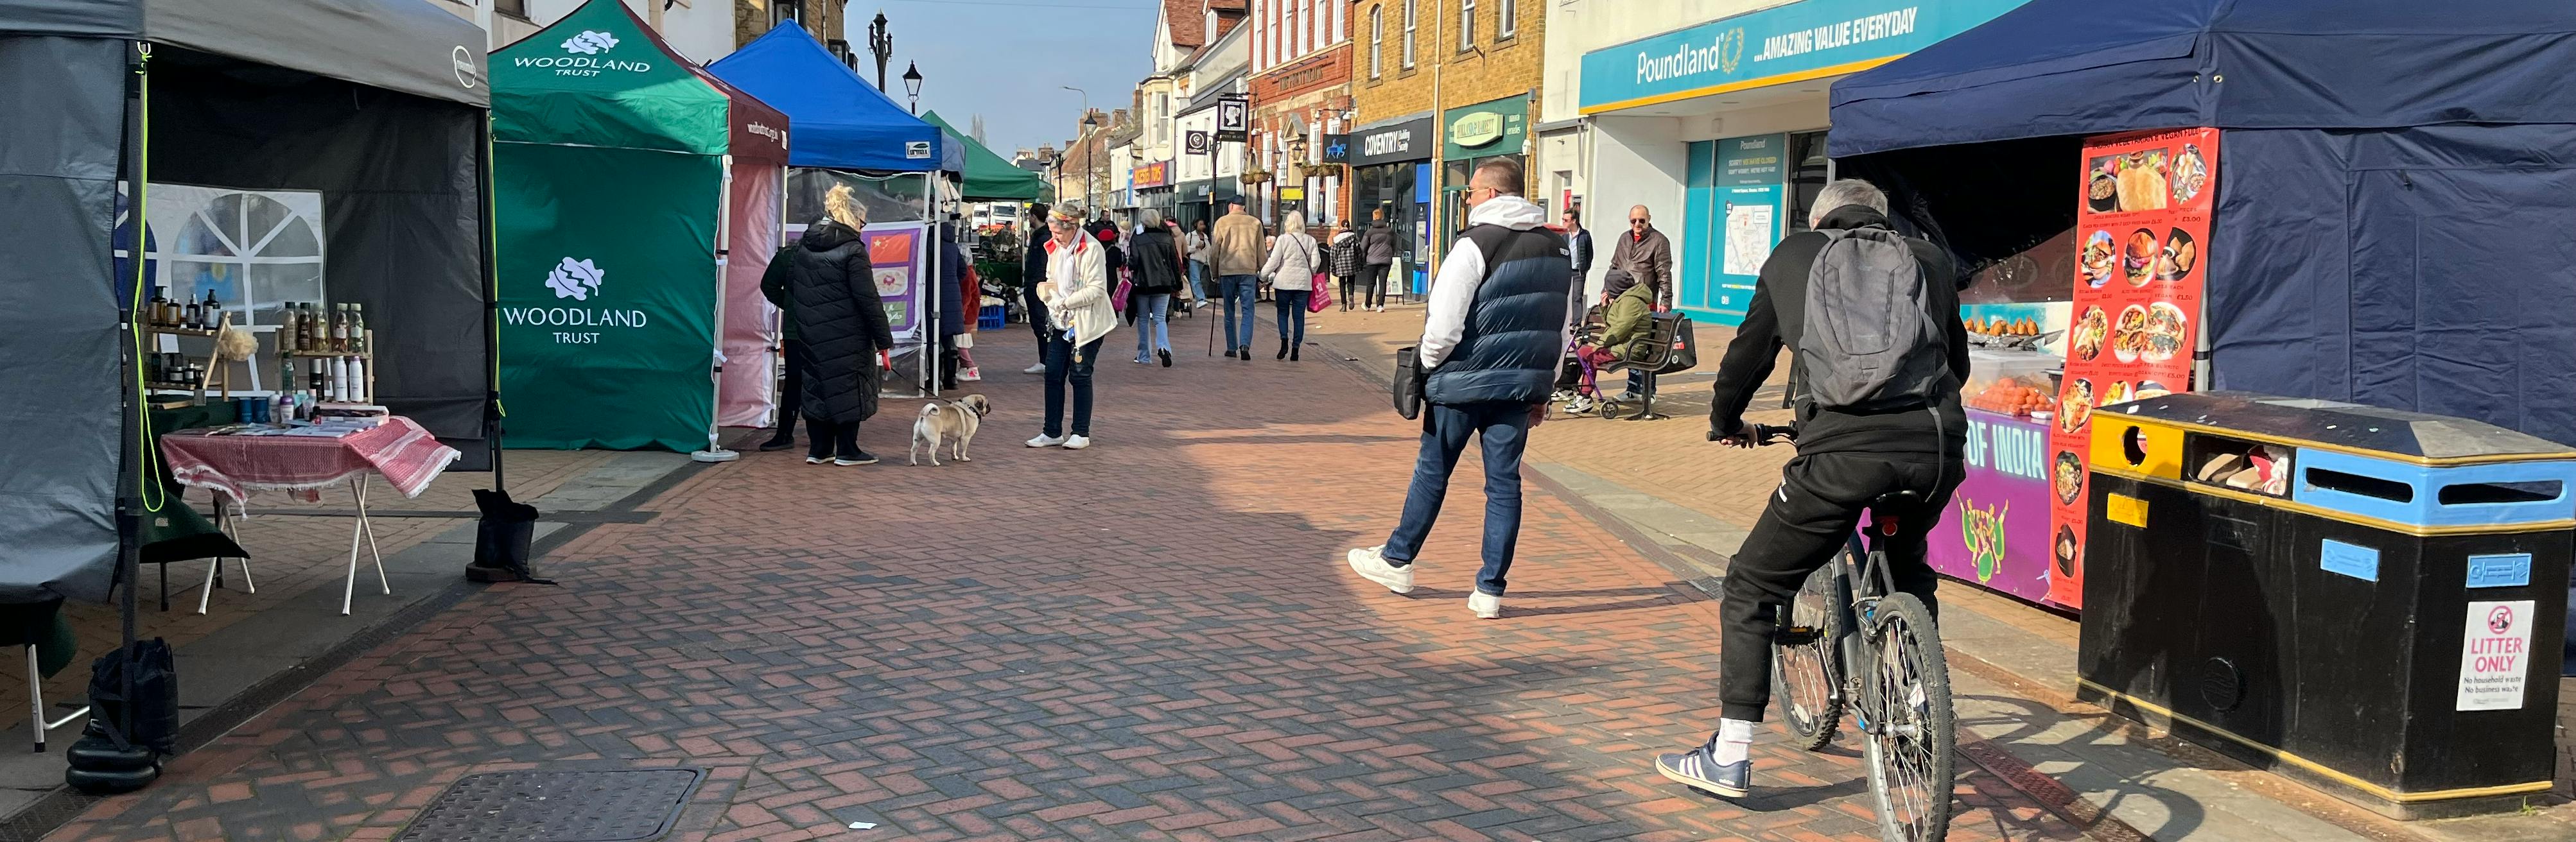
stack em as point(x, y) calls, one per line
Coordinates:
point(1497, 327)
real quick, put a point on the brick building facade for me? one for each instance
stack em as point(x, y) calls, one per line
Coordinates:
point(1417, 60)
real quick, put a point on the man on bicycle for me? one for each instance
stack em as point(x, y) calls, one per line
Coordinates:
point(1847, 457)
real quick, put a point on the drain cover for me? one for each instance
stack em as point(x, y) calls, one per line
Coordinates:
point(618, 805)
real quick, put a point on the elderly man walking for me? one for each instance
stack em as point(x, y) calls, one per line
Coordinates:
point(1491, 339)
point(1647, 258)
point(1238, 257)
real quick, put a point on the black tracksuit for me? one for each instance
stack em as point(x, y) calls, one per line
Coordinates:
point(1844, 461)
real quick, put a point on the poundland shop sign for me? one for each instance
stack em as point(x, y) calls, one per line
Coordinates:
point(1810, 39)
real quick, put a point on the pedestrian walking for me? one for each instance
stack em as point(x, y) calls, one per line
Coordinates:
point(1076, 294)
point(1377, 255)
point(1158, 278)
point(1295, 262)
point(1033, 268)
point(843, 325)
point(1495, 330)
point(1647, 256)
point(953, 318)
point(1235, 243)
point(1579, 242)
point(1345, 263)
point(775, 285)
point(1195, 247)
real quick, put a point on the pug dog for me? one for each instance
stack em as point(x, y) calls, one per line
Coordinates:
point(952, 421)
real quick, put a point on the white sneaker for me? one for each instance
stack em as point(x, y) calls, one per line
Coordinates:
point(1579, 405)
point(1487, 606)
point(1077, 442)
point(972, 376)
point(1044, 440)
point(1040, 368)
point(1370, 563)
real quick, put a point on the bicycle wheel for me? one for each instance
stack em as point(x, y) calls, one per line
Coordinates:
point(1910, 753)
point(1806, 674)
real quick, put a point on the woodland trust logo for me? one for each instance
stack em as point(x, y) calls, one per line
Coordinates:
point(590, 43)
point(589, 57)
point(577, 280)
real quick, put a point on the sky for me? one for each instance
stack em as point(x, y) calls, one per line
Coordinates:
point(1005, 59)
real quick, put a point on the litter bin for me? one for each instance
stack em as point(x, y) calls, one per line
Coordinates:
point(2360, 599)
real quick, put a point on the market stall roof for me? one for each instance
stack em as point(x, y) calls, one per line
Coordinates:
point(399, 45)
point(988, 177)
point(600, 77)
point(838, 121)
point(2076, 67)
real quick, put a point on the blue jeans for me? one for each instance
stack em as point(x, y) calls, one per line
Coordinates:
point(1503, 428)
point(1062, 370)
point(1238, 291)
point(1152, 332)
point(1198, 280)
point(1292, 300)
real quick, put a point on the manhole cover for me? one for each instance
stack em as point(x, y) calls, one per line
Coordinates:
point(618, 805)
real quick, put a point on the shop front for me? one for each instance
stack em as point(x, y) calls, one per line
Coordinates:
point(1718, 129)
point(1153, 187)
point(1390, 162)
point(1486, 131)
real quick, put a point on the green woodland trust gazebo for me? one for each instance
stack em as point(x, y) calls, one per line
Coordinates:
point(989, 178)
point(637, 202)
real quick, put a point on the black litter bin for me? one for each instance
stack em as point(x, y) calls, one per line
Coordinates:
point(2365, 600)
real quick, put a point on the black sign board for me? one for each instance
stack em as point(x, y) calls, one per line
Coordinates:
point(1196, 142)
point(1337, 149)
point(1411, 140)
point(1232, 118)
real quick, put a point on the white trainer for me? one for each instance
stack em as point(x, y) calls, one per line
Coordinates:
point(1040, 368)
point(1077, 442)
point(1044, 440)
point(1370, 563)
point(1487, 606)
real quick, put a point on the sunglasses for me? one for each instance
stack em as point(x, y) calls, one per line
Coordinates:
point(1636, 222)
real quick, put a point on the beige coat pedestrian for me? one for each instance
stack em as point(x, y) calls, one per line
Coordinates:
point(1236, 239)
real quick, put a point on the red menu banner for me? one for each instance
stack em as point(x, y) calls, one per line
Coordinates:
point(2142, 225)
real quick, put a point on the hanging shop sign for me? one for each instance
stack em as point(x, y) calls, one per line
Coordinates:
point(2143, 216)
point(1337, 149)
point(1410, 140)
point(1486, 128)
point(1800, 41)
point(1233, 118)
point(1196, 142)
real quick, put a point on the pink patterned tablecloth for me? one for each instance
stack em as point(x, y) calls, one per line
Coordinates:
point(236, 465)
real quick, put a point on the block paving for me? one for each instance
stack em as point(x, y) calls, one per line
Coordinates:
point(1154, 639)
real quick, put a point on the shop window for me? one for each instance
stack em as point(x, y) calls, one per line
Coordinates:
point(1809, 170)
point(1508, 21)
point(515, 8)
point(1466, 25)
point(1408, 32)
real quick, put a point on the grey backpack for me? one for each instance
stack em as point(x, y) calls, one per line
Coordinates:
point(1870, 343)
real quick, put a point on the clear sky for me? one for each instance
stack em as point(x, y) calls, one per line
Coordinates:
point(1005, 59)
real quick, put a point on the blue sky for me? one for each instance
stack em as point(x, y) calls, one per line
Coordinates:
point(1005, 58)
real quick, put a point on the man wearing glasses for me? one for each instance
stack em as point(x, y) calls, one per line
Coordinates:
point(1647, 258)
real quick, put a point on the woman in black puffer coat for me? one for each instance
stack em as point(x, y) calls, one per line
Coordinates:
point(843, 325)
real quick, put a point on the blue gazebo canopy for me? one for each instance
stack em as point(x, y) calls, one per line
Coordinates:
point(835, 119)
point(2078, 67)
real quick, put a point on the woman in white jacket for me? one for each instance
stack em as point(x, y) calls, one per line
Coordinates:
point(1294, 260)
point(1076, 294)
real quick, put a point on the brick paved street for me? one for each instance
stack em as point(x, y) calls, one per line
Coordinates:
point(1152, 639)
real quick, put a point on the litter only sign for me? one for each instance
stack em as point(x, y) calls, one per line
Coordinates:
point(2495, 662)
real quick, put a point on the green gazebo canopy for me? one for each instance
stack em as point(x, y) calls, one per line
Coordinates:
point(990, 178)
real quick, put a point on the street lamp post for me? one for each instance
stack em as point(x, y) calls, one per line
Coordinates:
point(1090, 160)
point(912, 85)
point(880, 44)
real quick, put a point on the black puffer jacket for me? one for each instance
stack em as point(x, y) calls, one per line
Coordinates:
point(1157, 262)
point(842, 322)
point(1377, 244)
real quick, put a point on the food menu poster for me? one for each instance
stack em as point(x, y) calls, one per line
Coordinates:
point(2142, 221)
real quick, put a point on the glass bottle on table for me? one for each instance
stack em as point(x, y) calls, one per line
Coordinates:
point(213, 314)
point(357, 328)
point(188, 317)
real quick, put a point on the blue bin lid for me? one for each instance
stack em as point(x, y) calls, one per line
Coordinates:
point(2411, 436)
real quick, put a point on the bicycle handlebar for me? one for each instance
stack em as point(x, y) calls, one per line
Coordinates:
point(1763, 434)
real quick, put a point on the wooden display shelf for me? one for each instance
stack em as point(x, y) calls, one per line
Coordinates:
point(369, 356)
point(175, 330)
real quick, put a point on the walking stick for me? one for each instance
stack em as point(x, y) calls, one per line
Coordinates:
point(1211, 349)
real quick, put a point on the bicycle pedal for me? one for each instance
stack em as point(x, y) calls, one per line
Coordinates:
point(1797, 636)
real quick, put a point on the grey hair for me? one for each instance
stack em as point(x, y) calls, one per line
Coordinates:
point(1153, 218)
point(1849, 191)
point(1293, 223)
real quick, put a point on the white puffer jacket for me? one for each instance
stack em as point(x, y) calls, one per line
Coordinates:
point(1293, 263)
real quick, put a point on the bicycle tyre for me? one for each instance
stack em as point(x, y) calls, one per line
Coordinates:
point(1916, 743)
point(1806, 675)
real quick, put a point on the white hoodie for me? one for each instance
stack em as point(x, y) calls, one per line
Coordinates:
point(1453, 291)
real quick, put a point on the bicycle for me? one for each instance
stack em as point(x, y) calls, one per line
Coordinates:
point(1850, 640)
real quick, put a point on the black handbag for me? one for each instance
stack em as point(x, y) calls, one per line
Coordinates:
point(1685, 353)
point(1408, 382)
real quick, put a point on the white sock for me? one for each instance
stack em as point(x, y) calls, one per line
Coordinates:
point(1734, 742)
